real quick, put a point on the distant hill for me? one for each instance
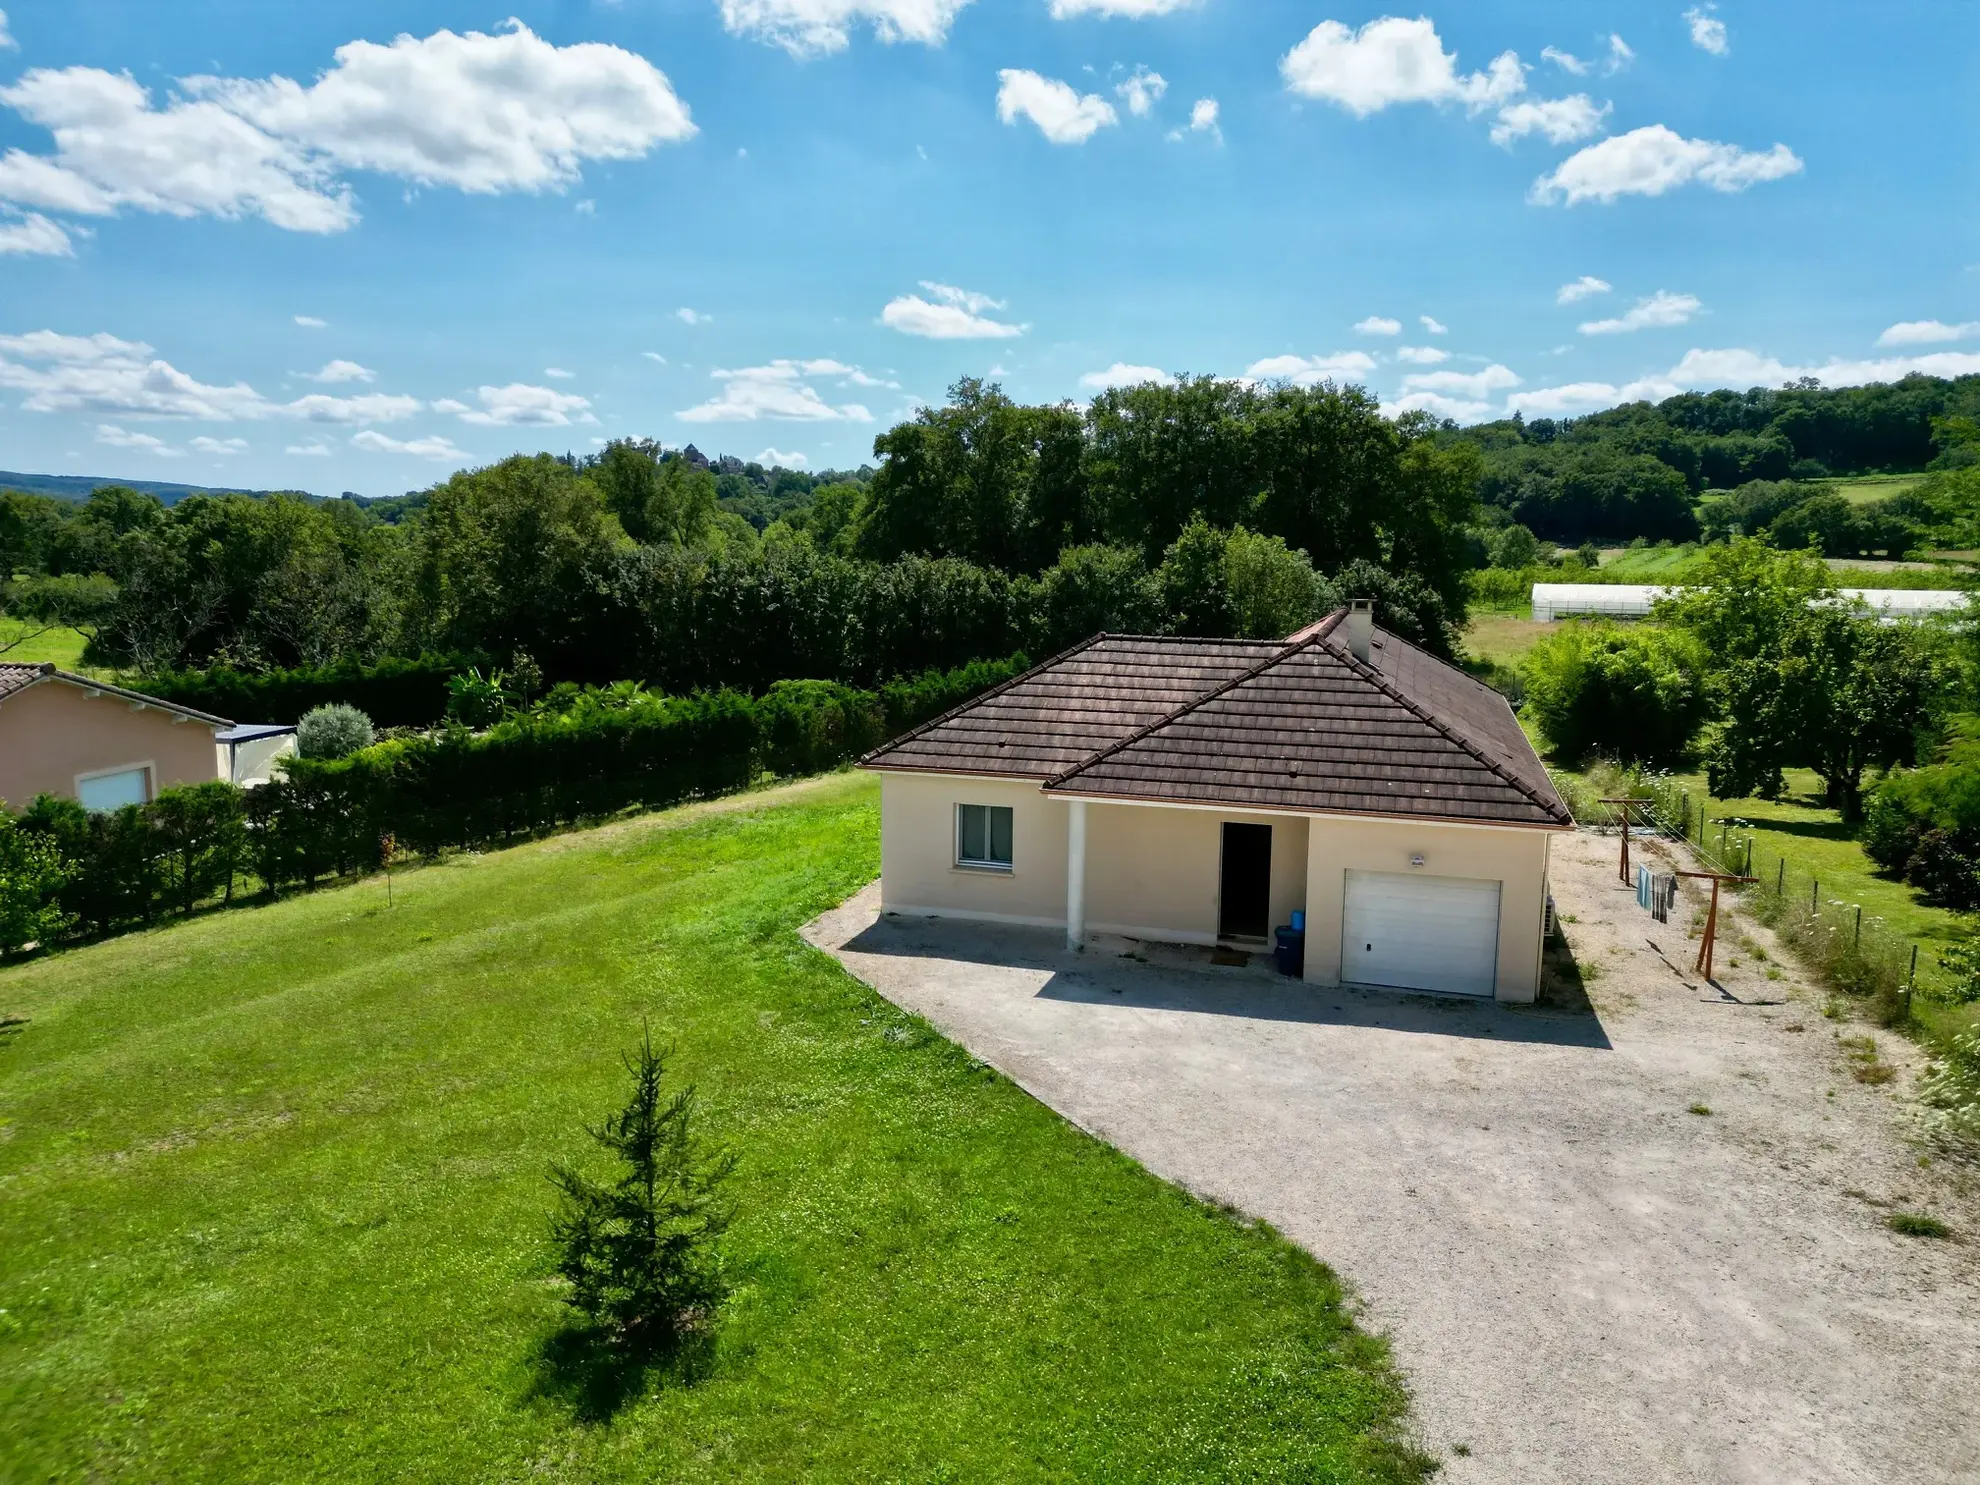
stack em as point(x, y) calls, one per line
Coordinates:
point(79, 486)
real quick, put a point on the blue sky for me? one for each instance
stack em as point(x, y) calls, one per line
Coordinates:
point(353, 247)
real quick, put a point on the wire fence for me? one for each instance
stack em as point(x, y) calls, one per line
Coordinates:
point(1850, 949)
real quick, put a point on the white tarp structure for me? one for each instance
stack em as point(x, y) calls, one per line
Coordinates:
point(1635, 600)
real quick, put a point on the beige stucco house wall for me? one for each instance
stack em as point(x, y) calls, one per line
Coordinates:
point(1152, 871)
point(54, 734)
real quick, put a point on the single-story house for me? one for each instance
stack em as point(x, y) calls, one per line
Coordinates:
point(68, 735)
point(1203, 791)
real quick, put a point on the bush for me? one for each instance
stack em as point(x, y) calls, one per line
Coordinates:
point(1923, 824)
point(1633, 694)
point(32, 875)
point(640, 1250)
point(334, 731)
point(1950, 1094)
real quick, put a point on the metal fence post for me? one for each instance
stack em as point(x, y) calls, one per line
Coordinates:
point(1780, 879)
point(1911, 982)
point(1857, 943)
point(1814, 893)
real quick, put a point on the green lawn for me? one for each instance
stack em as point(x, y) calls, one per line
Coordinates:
point(273, 1203)
point(63, 646)
point(1502, 638)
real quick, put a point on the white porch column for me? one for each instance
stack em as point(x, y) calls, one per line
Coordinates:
point(1076, 875)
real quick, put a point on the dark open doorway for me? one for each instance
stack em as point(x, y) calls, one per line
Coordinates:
point(1245, 903)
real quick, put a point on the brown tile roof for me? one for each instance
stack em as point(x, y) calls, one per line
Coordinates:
point(1066, 710)
point(19, 677)
point(1297, 725)
point(15, 678)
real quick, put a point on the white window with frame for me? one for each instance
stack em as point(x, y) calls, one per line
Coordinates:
point(983, 836)
point(114, 788)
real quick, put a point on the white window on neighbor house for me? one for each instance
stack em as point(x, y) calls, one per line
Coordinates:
point(983, 836)
point(112, 791)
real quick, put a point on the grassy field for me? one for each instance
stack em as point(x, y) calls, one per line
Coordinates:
point(63, 646)
point(275, 1203)
point(1863, 488)
point(1503, 638)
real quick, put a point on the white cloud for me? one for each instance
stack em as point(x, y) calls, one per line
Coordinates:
point(655, 356)
point(691, 317)
point(311, 322)
point(1661, 309)
point(1561, 120)
point(1652, 160)
point(1737, 368)
point(1708, 33)
point(1585, 287)
point(558, 373)
point(508, 112)
point(1307, 371)
point(520, 405)
point(1142, 91)
point(435, 446)
point(1459, 409)
point(1378, 325)
point(102, 374)
point(777, 391)
point(1494, 378)
point(7, 42)
point(1134, 10)
point(586, 208)
point(1203, 114)
point(1121, 374)
point(1435, 327)
point(220, 446)
point(1620, 54)
point(1389, 61)
point(1061, 113)
point(776, 458)
point(30, 234)
point(1422, 355)
point(814, 28)
point(1927, 332)
point(1567, 61)
point(370, 407)
point(954, 314)
point(309, 450)
point(342, 371)
point(117, 438)
point(1563, 401)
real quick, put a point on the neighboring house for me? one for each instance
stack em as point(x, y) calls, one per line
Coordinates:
point(1202, 791)
point(68, 735)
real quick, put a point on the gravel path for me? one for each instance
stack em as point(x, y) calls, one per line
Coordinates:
point(1583, 1280)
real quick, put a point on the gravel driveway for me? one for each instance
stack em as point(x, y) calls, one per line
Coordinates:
point(1583, 1280)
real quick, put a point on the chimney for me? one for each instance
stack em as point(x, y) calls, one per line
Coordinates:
point(1360, 627)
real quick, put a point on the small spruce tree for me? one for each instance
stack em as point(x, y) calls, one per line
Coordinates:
point(640, 1250)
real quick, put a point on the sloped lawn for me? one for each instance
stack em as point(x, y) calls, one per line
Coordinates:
point(273, 1203)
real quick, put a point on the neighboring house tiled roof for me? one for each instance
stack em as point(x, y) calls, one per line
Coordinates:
point(16, 678)
point(1298, 725)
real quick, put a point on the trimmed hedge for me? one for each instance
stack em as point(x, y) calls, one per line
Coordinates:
point(392, 692)
point(578, 756)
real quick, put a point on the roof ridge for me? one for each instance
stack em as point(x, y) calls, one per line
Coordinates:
point(1390, 689)
point(110, 688)
point(983, 696)
point(1283, 653)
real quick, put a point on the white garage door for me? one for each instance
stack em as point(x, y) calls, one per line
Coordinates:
point(1420, 933)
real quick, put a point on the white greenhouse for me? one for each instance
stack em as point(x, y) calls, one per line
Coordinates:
point(1635, 600)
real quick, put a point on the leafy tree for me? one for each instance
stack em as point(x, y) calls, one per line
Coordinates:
point(505, 559)
point(1089, 590)
point(639, 1249)
point(33, 872)
point(1625, 692)
point(335, 730)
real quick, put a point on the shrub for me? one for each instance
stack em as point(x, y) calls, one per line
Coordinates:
point(1917, 1224)
point(334, 731)
point(640, 1249)
point(1950, 1094)
point(1633, 694)
point(32, 875)
point(475, 700)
